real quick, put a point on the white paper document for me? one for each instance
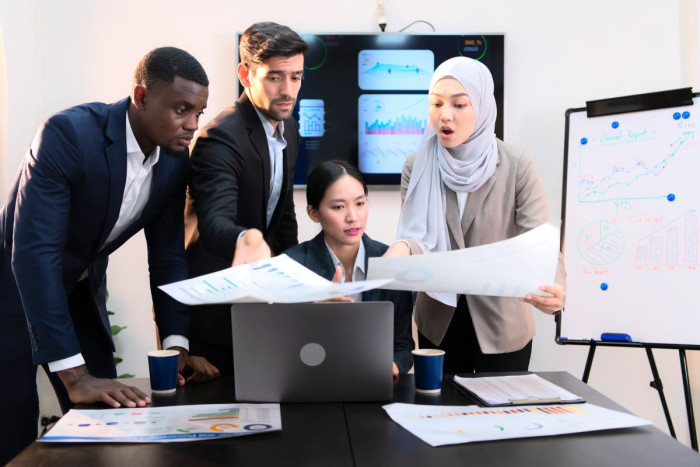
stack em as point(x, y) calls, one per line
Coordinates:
point(516, 389)
point(439, 425)
point(165, 424)
point(510, 268)
point(275, 280)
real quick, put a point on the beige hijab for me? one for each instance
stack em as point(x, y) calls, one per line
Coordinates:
point(464, 168)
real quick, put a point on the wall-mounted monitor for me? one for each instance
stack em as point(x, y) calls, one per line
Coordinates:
point(364, 97)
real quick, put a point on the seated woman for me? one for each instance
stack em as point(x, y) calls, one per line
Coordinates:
point(336, 195)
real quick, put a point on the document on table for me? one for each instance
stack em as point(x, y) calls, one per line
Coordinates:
point(440, 425)
point(279, 279)
point(515, 390)
point(510, 268)
point(165, 424)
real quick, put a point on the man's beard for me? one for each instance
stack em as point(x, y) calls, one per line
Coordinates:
point(275, 115)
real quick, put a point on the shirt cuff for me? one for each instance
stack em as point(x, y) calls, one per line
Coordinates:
point(241, 234)
point(66, 363)
point(176, 340)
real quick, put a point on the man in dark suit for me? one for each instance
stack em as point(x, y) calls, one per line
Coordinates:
point(241, 174)
point(94, 176)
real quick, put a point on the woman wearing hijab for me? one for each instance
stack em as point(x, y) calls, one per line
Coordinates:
point(465, 188)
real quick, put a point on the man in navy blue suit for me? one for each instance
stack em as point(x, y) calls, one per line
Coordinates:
point(94, 176)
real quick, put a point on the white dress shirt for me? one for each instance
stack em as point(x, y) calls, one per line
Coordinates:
point(358, 273)
point(275, 145)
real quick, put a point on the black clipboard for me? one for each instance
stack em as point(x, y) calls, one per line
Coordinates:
point(513, 403)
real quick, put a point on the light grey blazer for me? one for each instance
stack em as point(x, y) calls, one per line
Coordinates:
point(510, 203)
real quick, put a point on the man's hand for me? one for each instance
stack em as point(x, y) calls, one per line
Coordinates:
point(83, 388)
point(191, 369)
point(250, 248)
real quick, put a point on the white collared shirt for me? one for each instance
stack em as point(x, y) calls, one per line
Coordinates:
point(137, 190)
point(275, 145)
point(358, 273)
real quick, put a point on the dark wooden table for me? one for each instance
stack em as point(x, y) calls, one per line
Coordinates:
point(362, 434)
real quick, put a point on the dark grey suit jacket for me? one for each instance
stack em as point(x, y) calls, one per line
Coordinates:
point(229, 188)
point(314, 255)
point(228, 192)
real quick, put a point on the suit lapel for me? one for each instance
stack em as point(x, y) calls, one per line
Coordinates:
point(475, 201)
point(318, 259)
point(115, 155)
point(258, 140)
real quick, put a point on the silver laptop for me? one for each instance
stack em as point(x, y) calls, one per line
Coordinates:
point(313, 352)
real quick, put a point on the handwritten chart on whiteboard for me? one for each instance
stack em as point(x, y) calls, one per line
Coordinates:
point(631, 223)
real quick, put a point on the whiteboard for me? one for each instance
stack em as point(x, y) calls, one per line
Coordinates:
point(631, 222)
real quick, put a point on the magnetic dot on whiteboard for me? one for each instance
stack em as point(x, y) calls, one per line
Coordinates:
point(604, 286)
point(677, 116)
point(584, 140)
point(615, 124)
point(671, 197)
point(686, 114)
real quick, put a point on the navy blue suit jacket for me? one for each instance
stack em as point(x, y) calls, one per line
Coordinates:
point(314, 255)
point(62, 205)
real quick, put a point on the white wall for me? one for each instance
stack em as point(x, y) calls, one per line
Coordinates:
point(558, 55)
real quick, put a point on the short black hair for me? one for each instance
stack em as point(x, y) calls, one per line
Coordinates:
point(164, 64)
point(324, 174)
point(262, 41)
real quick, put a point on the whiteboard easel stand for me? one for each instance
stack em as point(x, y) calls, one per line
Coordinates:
point(655, 383)
point(636, 103)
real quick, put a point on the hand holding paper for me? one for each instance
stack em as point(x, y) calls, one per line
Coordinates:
point(511, 268)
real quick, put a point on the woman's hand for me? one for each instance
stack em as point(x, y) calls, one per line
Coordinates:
point(336, 280)
point(549, 305)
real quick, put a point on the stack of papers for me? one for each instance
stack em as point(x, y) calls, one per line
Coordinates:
point(515, 390)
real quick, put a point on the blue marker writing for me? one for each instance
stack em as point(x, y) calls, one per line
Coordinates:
point(604, 286)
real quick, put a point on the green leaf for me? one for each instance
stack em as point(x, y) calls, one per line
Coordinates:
point(117, 329)
point(117, 361)
point(126, 375)
point(110, 313)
